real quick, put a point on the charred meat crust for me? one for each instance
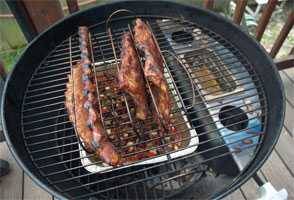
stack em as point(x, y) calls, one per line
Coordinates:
point(130, 76)
point(82, 105)
point(153, 71)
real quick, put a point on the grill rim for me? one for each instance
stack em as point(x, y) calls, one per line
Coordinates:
point(255, 164)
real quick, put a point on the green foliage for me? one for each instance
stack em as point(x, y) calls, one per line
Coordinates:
point(11, 36)
point(219, 5)
point(9, 57)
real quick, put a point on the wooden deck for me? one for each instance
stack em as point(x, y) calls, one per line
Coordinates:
point(279, 169)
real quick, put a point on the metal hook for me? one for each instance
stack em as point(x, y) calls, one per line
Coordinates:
point(116, 12)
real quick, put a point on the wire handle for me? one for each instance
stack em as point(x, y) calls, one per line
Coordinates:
point(188, 74)
point(181, 63)
point(115, 13)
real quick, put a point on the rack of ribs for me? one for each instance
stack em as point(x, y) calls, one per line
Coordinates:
point(130, 76)
point(153, 70)
point(82, 105)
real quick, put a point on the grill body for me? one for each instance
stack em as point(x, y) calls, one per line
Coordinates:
point(37, 82)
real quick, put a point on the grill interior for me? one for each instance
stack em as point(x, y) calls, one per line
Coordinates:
point(218, 104)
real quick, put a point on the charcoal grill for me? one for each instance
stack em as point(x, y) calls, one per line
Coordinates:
point(227, 95)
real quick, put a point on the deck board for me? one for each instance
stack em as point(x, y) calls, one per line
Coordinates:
point(289, 73)
point(289, 118)
point(284, 149)
point(235, 195)
point(249, 189)
point(277, 173)
point(10, 185)
point(288, 81)
point(288, 86)
point(34, 192)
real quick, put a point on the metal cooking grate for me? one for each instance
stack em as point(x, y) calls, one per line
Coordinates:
point(228, 114)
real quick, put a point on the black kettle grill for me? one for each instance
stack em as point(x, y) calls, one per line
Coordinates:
point(226, 92)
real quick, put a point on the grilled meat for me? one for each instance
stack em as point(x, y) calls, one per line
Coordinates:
point(74, 105)
point(82, 105)
point(145, 42)
point(86, 119)
point(130, 76)
point(153, 70)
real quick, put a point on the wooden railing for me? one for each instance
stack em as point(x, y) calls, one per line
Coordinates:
point(283, 63)
point(35, 17)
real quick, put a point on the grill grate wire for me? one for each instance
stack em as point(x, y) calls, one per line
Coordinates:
point(44, 118)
